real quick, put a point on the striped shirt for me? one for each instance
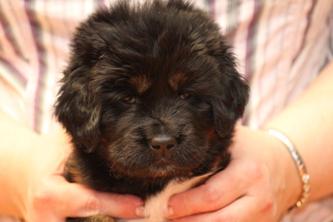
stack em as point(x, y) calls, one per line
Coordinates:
point(281, 46)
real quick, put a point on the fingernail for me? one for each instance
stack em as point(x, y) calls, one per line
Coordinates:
point(140, 212)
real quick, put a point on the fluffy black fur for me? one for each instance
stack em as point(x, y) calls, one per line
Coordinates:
point(161, 68)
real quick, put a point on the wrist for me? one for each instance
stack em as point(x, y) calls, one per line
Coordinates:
point(284, 180)
point(298, 163)
point(285, 160)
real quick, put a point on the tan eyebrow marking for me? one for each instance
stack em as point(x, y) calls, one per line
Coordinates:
point(140, 82)
point(177, 79)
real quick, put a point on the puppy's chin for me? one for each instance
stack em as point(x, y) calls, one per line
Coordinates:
point(166, 169)
point(158, 170)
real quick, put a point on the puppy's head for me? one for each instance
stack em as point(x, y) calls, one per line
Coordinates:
point(151, 90)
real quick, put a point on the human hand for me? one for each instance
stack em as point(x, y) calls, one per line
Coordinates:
point(53, 199)
point(260, 184)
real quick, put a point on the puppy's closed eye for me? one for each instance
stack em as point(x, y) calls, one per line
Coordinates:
point(129, 99)
point(185, 95)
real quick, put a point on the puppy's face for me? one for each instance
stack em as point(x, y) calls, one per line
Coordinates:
point(157, 123)
point(151, 96)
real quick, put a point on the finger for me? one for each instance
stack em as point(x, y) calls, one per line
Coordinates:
point(242, 210)
point(219, 191)
point(76, 200)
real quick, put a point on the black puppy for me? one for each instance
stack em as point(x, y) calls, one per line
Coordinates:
point(150, 98)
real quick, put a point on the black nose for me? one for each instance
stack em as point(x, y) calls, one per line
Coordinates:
point(162, 142)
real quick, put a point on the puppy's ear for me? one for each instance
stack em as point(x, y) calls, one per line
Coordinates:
point(230, 105)
point(78, 109)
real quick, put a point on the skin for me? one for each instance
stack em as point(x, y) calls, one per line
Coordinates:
point(30, 176)
point(262, 182)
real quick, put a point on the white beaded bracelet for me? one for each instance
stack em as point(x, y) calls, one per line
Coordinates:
point(303, 173)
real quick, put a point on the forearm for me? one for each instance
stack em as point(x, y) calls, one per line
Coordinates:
point(309, 124)
point(14, 167)
point(21, 154)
